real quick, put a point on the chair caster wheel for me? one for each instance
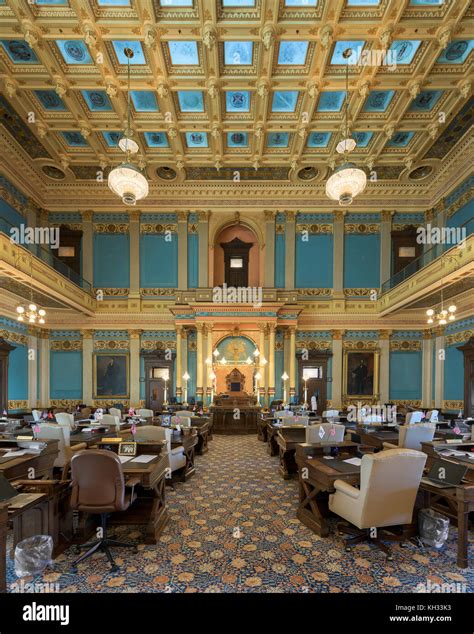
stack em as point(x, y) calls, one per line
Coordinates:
point(348, 549)
point(74, 570)
point(389, 557)
point(77, 550)
point(402, 544)
point(114, 569)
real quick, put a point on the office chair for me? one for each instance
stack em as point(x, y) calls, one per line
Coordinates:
point(184, 421)
point(413, 417)
point(291, 421)
point(389, 482)
point(36, 415)
point(372, 418)
point(411, 436)
point(332, 433)
point(176, 456)
point(145, 413)
point(114, 411)
point(62, 418)
point(61, 433)
point(110, 421)
point(331, 415)
point(184, 412)
point(98, 487)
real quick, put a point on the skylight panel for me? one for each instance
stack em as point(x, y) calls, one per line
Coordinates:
point(50, 100)
point(425, 101)
point(405, 50)
point(113, 3)
point(191, 100)
point(319, 139)
point(184, 53)
point(19, 52)
point(331, 101)
point(456, 53)
point(144, 100)
point(238, 53)
point(362, 138)
point(138, 54)
point(278, 139)
point(284, 100)
point(378, 100)
point(301, 3)
point(112, 138)
point(400, 139)
point(176, 3)
point(237, 101)
point(156, 139)
point(74, 139)
point(237, 139)
point(196, 139)
point(74, 51)
point(97, 100)
point(356, 47)
point(363, 3)
point(293, 53)
point(238, 3)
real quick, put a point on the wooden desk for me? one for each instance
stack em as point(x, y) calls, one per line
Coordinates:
point(375, 438)
point(189, 442)
point(287, 439)
point(316, 481)
point(203, 426)
point(19, 468)
point(456, 502)
point(262, 428)
point(224, 411)
point(272, 444)
point(149, 508)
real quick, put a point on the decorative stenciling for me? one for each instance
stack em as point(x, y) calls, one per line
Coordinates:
point(314, 228)
point(358, 292)
point(407, 334)
point(65, 403)
point(407, 403)
point(360, 344)
point(458, 337)
point(14, 337)
point(362, 228)
point(17, 405)
point(315, 292)
point(153, 344)
point(112, 291)
point(453, 405)
point(110, 403)
point(405, 345)
point(158, 292)
point(314, 344)
point(112, 344)
point(66, 345)
point(150, 228)
point(100, 227)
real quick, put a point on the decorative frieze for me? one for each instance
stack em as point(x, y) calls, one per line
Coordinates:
point(460, 202)
point(360, 344)
point(456, 405)
point(153, 344)
point(158, 228)
point(314, 228)
point(315, 292)
point(110, 403)
point(458, 337)
point(407, 403)
point(112, 292)
point(14, 337)
point(314, 344)
point(358, 292)
point(362, 227)
point(116, 227)
point(66, 345)
point(157, 292)
point(403, 345)
point(111, 344)
point(17, 405)
point(65, 403)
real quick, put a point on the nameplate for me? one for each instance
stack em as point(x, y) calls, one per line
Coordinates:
point(454, 441)
point(24, 438)
point(105, 441)
point(127, 449)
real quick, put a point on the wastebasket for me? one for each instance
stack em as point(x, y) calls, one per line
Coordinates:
point(434, 528)
point(32, 555)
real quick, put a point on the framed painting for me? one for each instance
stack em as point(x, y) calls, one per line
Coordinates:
point(361, 373)
point(111, 375)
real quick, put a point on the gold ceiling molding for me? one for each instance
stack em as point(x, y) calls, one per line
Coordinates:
point(360, 344)
point(314, 228)
point(66, 345)
point(362, 228)
point(458, 337)
point(102, 227)
point(17, 405)
point(158, 228)
point(460, 202)
point(14, 337)
point(111, 344)
point(315, 292)
point(405, 345)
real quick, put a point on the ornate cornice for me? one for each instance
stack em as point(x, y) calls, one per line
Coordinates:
point(66, 345)
point(362, 228)
point(408, 345)
point(101, 227)
point(158, 228)
point(14, 337)
point(314, 228)
point(458, 337)
point(360, 344)
point(111, 344)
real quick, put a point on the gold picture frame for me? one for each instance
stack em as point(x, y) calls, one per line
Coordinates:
point(110, 383)
point(372, 361)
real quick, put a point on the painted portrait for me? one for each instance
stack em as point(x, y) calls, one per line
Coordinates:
point(360, 373)
point(111, 375)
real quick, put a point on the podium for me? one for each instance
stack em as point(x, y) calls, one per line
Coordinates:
point(235, 411)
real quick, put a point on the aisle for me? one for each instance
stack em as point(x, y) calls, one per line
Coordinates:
point(233, 529)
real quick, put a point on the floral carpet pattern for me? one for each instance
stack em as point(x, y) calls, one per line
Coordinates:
point(233, 528)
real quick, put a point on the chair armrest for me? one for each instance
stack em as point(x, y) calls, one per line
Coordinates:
point(79, 447)
point(347, 489)
point(177, 450)
point(131, 482)
point(389, 445)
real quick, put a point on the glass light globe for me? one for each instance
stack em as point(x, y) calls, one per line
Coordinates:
point(444, 312)
point(345, 184)
point(452, 317)
point(256, 352)
point(248, 360)
point(126, 144)
point(41, 320)
point(216, 353)
point(346, 145)
point(20, 318)
point(32, 307)
point(430, 312)
point(430, 320)
point(443, 322)
point(20, 309)
point(42, 312)
point(32, 319)
point(452, 308)
point(263, 361)
point(258, 376)
point(129, 183)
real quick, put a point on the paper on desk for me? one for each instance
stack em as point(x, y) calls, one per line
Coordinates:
point(354, 461)
point(14, 454)
point(87, 429)
point(124, 458)
point(144, 458)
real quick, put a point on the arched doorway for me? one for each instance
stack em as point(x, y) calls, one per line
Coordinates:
point(236, 257)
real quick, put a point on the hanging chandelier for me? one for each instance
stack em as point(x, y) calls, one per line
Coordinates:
point(441, 315)
point(348, 180)
point(30, 312)
point(126, 180)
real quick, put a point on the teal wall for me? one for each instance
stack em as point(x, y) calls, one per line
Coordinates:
point(193, 260)
point(279, 369)
point(453, 374)
point(279, 260)
point(158, 261)
point(405, 375)
point(361, 260)
point(111, 260)
point(65, 374)
point(18, 373)
point(314, 261)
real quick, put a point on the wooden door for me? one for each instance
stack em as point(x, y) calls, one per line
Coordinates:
point(236, 262)
point(468, 351)
point(405, 249)
point(157, 394)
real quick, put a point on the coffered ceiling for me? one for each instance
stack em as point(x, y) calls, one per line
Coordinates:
point(219, 85)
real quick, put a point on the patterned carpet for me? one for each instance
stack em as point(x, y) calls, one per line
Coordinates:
point(233, 529)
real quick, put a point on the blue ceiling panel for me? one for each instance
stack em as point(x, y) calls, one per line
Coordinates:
point(238, 53)
point(293, 53)
point(191, 100)
point(183, 53)
point(378, 100)
point(144, 100)
point(301, 3)
point(50, 100)
point(196, 139)
point(138, 54)
point(362, 138)
point(425, 101)
point(278, 139)
point(284, 100)
point(238, 3)
point(356, 47)
point(176, 3)
point(400, 139)
point(237, 101)
point(112, 138)
point(74, 139)
point(319, 139)
point(456, 53)
point(237, 139)
point(156, 139)
point(331, 101)
point(74, 51)
point(97, 100)
point(405, 50)
point(113, 3)
point(19, 52)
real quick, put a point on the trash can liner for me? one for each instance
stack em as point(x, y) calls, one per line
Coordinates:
point(32, 555)
point(434, 528)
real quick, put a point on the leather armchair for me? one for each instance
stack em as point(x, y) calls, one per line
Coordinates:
point(413, 417)
point(411, 436)
point(332, 433)
point(36, 415)
point(98, 487)
point(111, 421)
point(176, 456)
point(389, 482)
point(331, 415)
point(114, 411)
point(185, 413)
point(62, 433)
point(184, 421)
point(145, 413)
point(63, 418)
point(290, 421)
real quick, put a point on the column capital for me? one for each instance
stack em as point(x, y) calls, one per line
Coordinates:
point(290, 216)
point(439, 331)
point(271, 328)
point(182, 216)
point(337, 334)
point(339, 215)
point(44, 215)
point(200, 327)
point(134, 215)
point(87, 215)
point(386, 216)
point(87, 334)
point(385, 334)
point(179, 330)
point(292, 330)
point(44, 334)
point(286, 333)
point(204, 216)
point(427, 335)
point(33, 331)
point(134, 334)
point(429, 215)
point(270, 215)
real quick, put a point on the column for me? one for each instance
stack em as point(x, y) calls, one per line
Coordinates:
point(440, 355)
point(44, 369)
point(203, 237)
point(262, 366)
point(182, 250)
point(385, 246)
point(87, 355)
point(384, 378)
point(269, 277)
point(427, 370)
point(31, 221)
point(134, 367)
point(292, 361)
point(337, 368)
point(179, 359)
point(134, 237)
point(208, 370)
point(87, 247)
point(290, 230)
point(271, 361)
point(199, 362)
point(32, 367)
point(338, 256)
